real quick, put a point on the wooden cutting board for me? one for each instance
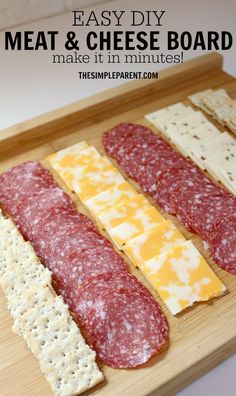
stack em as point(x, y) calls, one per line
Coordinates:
point(200, 337)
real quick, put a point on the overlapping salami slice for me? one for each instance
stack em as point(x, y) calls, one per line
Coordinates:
point(139, 142)
point(35, 207)
point(177, 185)
point(125, 326)
point(54, 226)
point(129, 336)
point(141, 155)
point(156, 168)
point(58, 250)
point(79, 298)
point(124, 132)
point(212, 209)
point(23, 181)
point(75, 268)
point(223, 244)
point(187, 194)
point(113, 139)
point(54, 223)
point(172, 178)
point(86, 269)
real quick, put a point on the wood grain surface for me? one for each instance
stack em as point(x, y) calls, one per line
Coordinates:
point(201, 336)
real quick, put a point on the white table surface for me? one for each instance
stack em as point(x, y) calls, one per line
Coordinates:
point(30, 85)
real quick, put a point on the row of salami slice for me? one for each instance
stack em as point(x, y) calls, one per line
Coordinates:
point(120, 318)
point(178, 186)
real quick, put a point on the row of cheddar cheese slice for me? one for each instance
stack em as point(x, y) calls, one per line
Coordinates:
point(197, 138)
point(173, 265)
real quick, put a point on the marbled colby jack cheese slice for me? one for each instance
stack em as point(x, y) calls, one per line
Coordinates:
point(110, 197)
point(154, 242)
point(142, 221)
point(118, 214)
point(75, 161)
point(182, 276)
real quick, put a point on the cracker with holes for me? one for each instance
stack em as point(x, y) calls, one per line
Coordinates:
point(66, 361)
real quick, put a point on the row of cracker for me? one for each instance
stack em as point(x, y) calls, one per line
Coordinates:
point(218, 104)
point(42, 318)
point(196, 137)
point(172, 265)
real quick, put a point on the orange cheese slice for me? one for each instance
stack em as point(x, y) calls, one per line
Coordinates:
point(118, 214)
point(145, 219)
point(182, 276)
point(154, 242)
point(98, 181)
point(74, 162)
point(113, 196)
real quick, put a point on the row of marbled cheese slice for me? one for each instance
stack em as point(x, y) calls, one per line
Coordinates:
point(173, 265)
point(197, 138)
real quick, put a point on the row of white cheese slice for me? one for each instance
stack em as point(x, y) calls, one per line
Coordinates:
point(173, 265)
point(196, 137)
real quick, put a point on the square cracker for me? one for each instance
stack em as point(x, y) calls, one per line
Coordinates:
point(215, 100)
point(225, 112)
point(197, 98)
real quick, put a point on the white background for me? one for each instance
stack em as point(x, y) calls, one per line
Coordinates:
point(31, 85)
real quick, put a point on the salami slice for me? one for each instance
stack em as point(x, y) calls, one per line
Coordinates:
point(35, 208)
point(59, 250)
point(63, 222)
point(123, 322)
point(128, 328)
point(16, 184)
point(141, 155)
point(76, 270)
point(211, 209)
point(223, 244)
point(79, 298)
point(54, 225)
point(140, 142)
point(129, 133)
point(114, 138)
point(171, 179)
point(184, 196)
